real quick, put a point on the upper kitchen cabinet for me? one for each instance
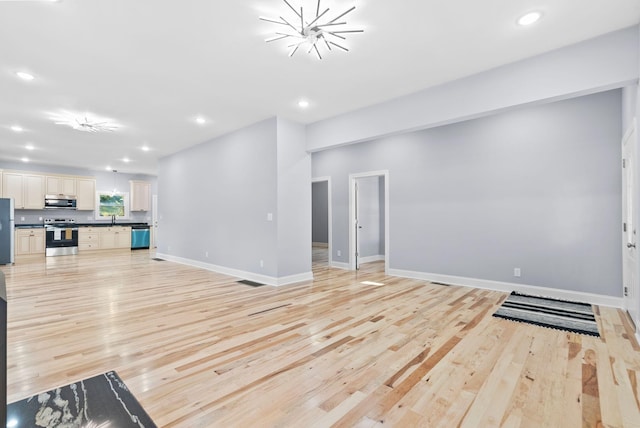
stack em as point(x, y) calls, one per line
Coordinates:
point(60, 185)
point(85, 194)
point(140, 195)
point(27, 190)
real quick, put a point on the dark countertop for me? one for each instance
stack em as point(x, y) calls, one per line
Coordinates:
point(40, 225)
point(119, 223)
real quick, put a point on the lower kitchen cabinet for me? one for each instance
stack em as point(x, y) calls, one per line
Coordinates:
point(104, 238)
point(29, 241)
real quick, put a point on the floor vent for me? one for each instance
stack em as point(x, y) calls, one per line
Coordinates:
point(251, 283)
point(158, 259)
point(440, 283)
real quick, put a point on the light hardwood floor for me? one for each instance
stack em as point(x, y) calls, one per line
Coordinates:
point(198, 349)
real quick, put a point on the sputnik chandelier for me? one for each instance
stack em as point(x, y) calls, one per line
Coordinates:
point(314, 32)
point(84, 122)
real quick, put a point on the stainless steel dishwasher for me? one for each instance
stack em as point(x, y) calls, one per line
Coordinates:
point(140, 237)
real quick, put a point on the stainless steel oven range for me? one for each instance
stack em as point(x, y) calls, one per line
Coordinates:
point(61, 236)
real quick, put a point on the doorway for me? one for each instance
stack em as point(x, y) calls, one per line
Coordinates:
point(630, 263)
point(321, 220)
point(369, 218)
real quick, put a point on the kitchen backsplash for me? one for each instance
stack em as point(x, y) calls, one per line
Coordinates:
point(38, 216)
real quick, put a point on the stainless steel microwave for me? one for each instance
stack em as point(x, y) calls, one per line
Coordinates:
point(66, 202)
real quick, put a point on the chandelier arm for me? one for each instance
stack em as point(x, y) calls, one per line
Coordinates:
point(317, 51)
point(340, 16)
point(331, 24)
point(294, 28)
point(318, 17)
point(341, 47)
point(301, 18)
point(326, 43)
point(335, 35)
point(262, 18)
point(279, 37)
point(348, 31)
point(294, 50)
point(318, 9)
point(292, 8)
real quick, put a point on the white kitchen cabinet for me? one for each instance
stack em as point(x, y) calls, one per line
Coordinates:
point(27, 190)
point(60, 185)
point(85, 194)
point(33, 191)
point(12, 187)
point(29, 241)
point(140, 192)
point(88, 238)
point(115, 237)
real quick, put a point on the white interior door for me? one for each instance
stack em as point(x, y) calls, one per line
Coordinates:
point(629, 227)
point(357, 218)
point(154, 219)
point(357, 225)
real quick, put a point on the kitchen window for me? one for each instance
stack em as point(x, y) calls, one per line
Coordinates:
point(110, 204)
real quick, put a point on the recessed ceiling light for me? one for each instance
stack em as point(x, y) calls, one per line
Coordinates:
point(24, 75)
point(303, 103)
point(145, 148)
point(108, 168)
point(126, 160)
point(25, 159)
point(29, 147)
point(16, 128)
point(529, 18)
point(201, 120)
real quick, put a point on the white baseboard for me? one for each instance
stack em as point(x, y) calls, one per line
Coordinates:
point(269, 280)
point(369, 259)
point(320, 244)
point(340, 265)
point(594, 299)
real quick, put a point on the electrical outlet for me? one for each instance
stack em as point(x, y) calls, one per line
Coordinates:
point(206, 254)
point(516, 272)
point(40, 218)
point(269, 216)
point(21, 218)
point(339, 253)
point(261, 263)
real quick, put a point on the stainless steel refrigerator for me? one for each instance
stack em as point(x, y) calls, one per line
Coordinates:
point(7, 228)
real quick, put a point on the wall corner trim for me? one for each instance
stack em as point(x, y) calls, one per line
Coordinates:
point(594, 299)
point(268, 280)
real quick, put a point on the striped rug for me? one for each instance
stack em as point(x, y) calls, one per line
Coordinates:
point(576, 317)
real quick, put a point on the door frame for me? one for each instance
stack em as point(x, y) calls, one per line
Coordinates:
point(329, 213)
point(352, 215)
point(631, 299)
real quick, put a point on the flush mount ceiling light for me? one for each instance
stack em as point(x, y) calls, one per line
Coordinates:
point(303, 103)
point(84, 122)
point(16, 128)
point(529, 18)
point(315, 32)
point(25, 76)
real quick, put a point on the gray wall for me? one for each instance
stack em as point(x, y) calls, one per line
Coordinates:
point(215, 197)
point(294, 200)
point(241, 201)
point(537, 188)
point(320, 212)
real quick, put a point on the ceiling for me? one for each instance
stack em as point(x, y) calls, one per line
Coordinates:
point(154, 66)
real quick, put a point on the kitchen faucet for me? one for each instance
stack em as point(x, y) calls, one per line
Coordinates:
point(113, 219)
